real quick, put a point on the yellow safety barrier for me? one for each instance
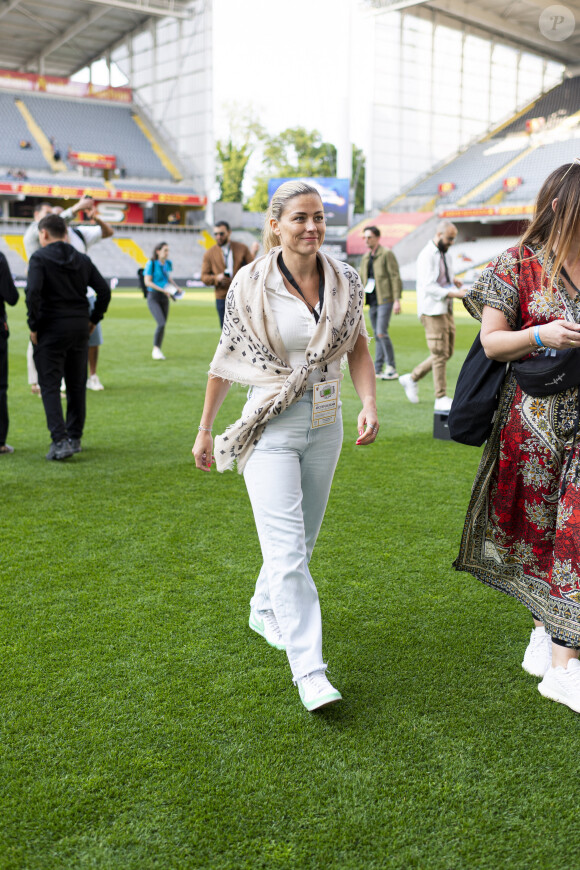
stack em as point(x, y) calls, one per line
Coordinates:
point(40, 137)
point(16, 243)
point(171, 168)
point(133, 250)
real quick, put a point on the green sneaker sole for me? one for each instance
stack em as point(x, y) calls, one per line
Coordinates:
point(259, 629)
point(325, 701)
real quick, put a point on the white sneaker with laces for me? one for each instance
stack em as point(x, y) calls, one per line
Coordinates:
point(389, 374)
point(264, 623)
point(538, 654)
point(410, 387)
point(563, 685)
point(93, 383)
point(157, 353)
point(316, 691)
point(443, 403)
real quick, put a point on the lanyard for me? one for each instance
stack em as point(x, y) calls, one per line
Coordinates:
point(569, 280)
point(291, 280)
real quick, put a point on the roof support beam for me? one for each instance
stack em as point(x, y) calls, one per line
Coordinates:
point(471, 14)
point(38, 60)
point(157, 8)
point(8, 6)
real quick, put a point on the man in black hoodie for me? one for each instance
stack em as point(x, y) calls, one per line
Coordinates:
point(9, 294)
point(59, 322)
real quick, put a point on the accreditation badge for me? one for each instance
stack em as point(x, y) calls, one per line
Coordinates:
point(325, 403)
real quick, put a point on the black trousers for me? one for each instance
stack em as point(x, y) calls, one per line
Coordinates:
point(3, 383)
point(62, 352)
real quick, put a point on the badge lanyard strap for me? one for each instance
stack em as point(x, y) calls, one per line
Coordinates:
point(291, 280)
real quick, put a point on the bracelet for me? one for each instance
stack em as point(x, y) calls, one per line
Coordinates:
point(204, 429)
point(531, 336)
point(537, 337)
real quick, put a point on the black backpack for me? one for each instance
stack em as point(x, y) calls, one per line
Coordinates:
point(142, 284)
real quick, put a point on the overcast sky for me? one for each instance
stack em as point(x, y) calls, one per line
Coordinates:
point(294, 63)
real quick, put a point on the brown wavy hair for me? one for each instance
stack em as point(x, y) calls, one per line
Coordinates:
point(555, 231)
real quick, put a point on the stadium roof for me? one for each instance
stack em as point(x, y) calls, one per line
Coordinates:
point(547, 27)
point(59, 37)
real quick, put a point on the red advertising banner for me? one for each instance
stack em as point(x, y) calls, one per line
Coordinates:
point(62, 87)
point(393, 227)
point(89, 158)
point(120, 212)
point(61, 192)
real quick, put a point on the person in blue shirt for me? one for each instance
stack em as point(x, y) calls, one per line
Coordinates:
point(160, 289)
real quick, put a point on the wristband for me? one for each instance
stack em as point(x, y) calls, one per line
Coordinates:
point(537, 337)
point(204, 429)
point(531, 336)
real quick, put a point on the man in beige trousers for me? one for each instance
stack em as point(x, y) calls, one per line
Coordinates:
point(437, 287)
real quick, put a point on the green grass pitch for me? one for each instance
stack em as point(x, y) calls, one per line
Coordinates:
point(142, 724)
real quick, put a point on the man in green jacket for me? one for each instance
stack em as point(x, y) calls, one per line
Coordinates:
point(379, 272)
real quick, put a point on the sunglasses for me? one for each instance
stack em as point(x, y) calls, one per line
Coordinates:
point(575, 162)
point(220, 234)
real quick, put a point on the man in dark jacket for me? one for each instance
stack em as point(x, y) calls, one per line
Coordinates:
point(9, 294)
point(60, 325)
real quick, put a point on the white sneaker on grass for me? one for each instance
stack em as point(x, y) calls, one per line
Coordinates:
point(93, 383)
point(390, 374)
point(443, 403)
point(264, 623)
point(563, 685)
point(157, 353)
point(410, 387)
point(538, 654)
point(316, 691)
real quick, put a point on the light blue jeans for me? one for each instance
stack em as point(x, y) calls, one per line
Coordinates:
point(288, 477)
point(380, 316)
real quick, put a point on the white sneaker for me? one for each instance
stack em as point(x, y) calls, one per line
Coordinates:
point(316, 691)
point(563, 685)
point(538, 654)
point(93, 383)
point(157, 353)
point(443, 404)
point(410, 387)
point(389, 374)
point(264, 622)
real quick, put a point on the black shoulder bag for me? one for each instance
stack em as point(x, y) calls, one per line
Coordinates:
point(476, 397)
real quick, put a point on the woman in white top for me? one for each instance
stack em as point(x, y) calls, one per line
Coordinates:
point(291, 316)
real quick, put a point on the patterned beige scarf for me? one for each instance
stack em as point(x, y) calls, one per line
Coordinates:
point(251, 351)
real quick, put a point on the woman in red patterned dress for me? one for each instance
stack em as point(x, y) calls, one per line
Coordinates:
point(521, 534)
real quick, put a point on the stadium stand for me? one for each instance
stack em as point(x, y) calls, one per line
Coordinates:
point(527, 147)
point(130, 247)
point(560, 102)
point(15, 130)
point(84, 125)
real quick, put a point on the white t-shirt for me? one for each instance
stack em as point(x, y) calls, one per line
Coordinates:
point(296, 326)
point(91, 235)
